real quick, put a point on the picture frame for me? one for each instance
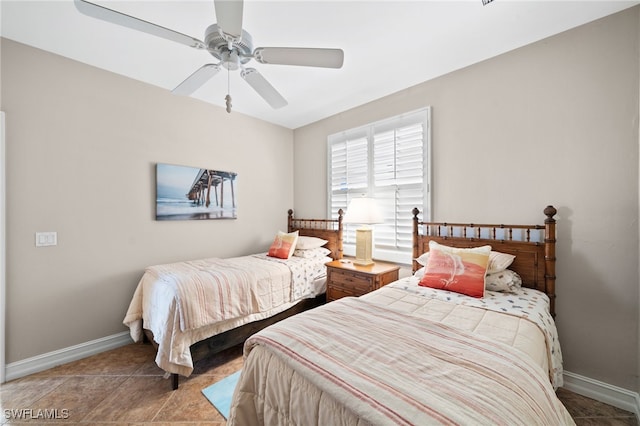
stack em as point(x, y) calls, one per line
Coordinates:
point(191, 193)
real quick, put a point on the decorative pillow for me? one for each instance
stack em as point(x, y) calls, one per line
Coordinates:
point(506, 281)
point(461, 270)
point(499, 261)
point(283, 245)
point(312, 253)
point(305, 242)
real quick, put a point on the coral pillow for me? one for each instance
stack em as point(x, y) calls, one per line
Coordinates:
point(283, 245)
point(498, 261)
point(461, 270)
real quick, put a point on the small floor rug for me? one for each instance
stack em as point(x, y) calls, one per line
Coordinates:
point(220, 393)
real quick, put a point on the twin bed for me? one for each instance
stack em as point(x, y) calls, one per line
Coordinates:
point(193, 309)
point(410, 353)
point(416, 351)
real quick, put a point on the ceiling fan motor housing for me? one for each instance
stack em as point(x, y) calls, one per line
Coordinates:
point(218, 46)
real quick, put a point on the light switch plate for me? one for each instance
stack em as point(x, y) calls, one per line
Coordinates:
point(44, 239)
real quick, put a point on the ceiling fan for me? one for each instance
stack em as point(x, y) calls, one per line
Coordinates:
point(230, 44)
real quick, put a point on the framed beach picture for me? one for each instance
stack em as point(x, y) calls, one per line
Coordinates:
point(191, 193)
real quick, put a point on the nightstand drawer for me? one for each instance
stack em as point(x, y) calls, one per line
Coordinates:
point(352, 282)
point(334, 293)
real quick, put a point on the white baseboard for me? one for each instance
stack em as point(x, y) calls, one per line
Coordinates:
point(43, 362)
point(603, 392)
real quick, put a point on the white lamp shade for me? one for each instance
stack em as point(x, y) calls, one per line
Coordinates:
point(363, 211)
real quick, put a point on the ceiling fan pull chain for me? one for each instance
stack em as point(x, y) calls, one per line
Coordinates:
point(228, 97)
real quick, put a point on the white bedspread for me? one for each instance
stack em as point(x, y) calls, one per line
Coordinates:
point(521, 320)
point(357, 362)
point(185, 302)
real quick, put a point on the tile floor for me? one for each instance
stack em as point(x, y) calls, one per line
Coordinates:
point(125, 387)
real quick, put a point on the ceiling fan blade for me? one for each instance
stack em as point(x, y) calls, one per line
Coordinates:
point(264, 88)
point(308, 57)
point(197, 79)
point(109, 15)
point(229, 16)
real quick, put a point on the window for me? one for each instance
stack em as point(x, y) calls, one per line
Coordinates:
point(389, 161)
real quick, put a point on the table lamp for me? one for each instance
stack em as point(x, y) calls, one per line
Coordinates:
point(363, 211)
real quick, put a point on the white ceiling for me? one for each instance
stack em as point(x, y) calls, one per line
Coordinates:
point(388, 45)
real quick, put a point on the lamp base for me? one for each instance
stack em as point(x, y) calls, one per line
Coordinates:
point(363, 247)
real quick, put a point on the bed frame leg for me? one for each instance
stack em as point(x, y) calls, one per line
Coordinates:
point(174, 381)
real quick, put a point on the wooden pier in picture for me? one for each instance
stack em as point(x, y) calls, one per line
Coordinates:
point(200, 192)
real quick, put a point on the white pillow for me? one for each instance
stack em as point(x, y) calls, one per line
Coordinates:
point(305, 243)
point(499, 262)
point(506, 281)
point(312, 253)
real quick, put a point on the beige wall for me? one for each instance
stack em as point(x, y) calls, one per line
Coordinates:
point(82, 145)
point(555, 122)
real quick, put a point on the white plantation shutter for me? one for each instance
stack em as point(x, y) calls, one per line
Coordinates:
point(349, 176)
point(398, 175)
point(388, 161)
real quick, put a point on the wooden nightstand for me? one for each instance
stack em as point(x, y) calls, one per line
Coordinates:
point(347, 279)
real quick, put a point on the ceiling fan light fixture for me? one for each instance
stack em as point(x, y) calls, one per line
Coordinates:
point(230, 60)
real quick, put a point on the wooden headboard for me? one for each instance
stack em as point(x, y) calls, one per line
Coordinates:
point(327, 229)
point(533, 245)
